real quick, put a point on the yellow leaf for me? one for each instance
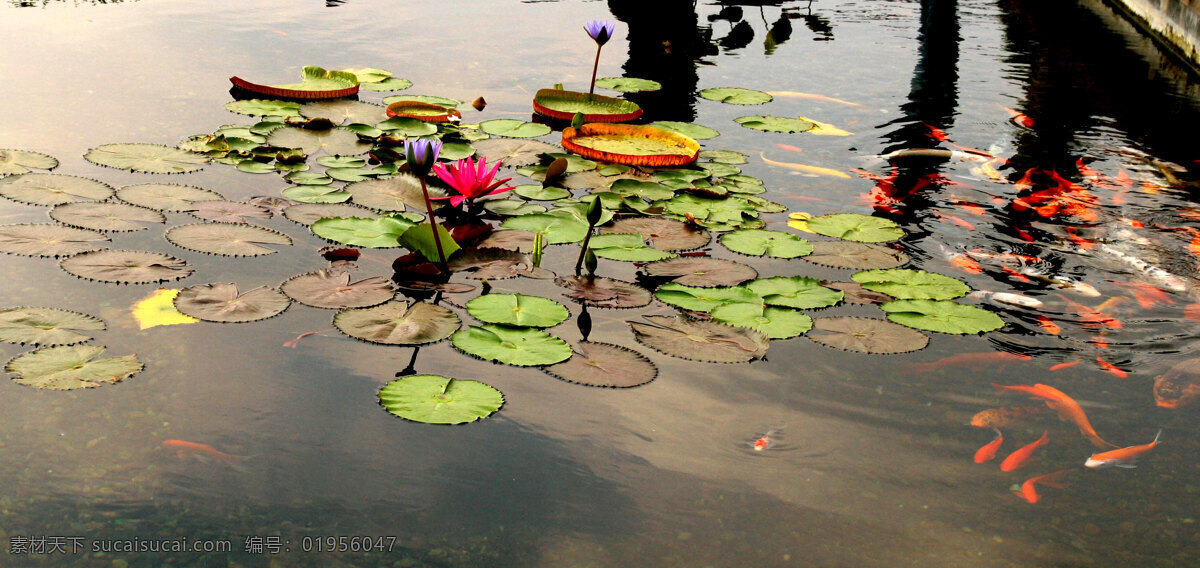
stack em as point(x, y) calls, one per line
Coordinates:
point(159, 309)
point(824, 128)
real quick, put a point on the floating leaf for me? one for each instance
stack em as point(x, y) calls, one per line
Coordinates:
point(625, 247)
point(337, 141)
point(105, 216)
point(407, 126)
point(775, 323)
point(341, 162)
point(700, 340)
point(664, 234)
point(514, 152)
point(775, 123)
point(433, 399)
point(229, 239)
point(856, 294)
point(517, 310)
point(628, 84)
point(70, 367)
point(126, 266)
point(908, 284)
point(43, 239)
point(420, 239)
point(943, 316)
point(317, 194)
point(369, 74)
point(856, 227)
point(329, 289)
point(222, 302)
point(389, 84)
point(146, 158)
point(702, 271)
point(555, 229)
point(383, 232)
point(511, 239)
point(512, 128)
point(604, 365)
point(166, 196)
point(308, 178)
point(14, 162)
point(631, 145)
point(53, 189)
point(794, 292)
point(736, 96)
point(538, 193)
point(604, 292)
point(398, 323)
point(522, 347)
point(866, 335)
point(705, 299)
point(309, 213)
point(758, 242)
point(495, 264)
point(432, 99)
point(452, 151)
point(264, 107)
point(339, 112)
point(647, 190)
point(159, 309)
point(315, 83)
point(859, 256)
point(255, 167)
point(724, 157)
point(228, 211)
point(390, 194)
point(691, 130)
point(564, 105)
point(46, 326)
point(512, 207)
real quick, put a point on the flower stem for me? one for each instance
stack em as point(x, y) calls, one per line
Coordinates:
point(437, 240)
point(583, 250)
point(595, 66)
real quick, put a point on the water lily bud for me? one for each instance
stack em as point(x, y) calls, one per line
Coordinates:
point(595, 210)
point(589, 262)
point(600, 30)
point(421, 154)
point(577, 120)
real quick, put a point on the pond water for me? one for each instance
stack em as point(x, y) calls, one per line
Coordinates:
point(870, 460)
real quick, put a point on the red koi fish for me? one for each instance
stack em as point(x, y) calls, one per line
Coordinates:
point(1050, 327)
point(1065, 406)
point(1028, 491)
point(1024, 454)
point(988, 451)
point(956, 220)
point(1111, 368)
point(1019, 118)
point(195, 449)
point(985, 359)
point(765, 442)
point(1061, 366)
point(1148, 296)
point(1123, 457)
point(965, 263)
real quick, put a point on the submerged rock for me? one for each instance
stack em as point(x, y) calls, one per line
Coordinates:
point(1179, 386)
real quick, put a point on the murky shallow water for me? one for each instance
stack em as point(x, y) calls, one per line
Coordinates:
point(872, 466)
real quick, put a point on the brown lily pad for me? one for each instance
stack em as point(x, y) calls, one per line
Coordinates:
point(604, 365)
point(398, 323)
point(44, 239)
point(858, 256)
point(697, 340)
point(126, 266)
point(663, 234)
point(702, 271)
point(604, 292)
point(332, 289)
point(222, 302)
point(866, 335)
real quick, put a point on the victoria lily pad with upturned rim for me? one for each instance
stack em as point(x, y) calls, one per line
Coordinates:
point(434, 399)
point(315, 83)
point(631, 145)
point(595, 108)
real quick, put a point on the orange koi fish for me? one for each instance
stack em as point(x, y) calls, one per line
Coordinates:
point(1061, 366)
point(1099, 342)
point(1123, 178)
point(789, 148)
point(1024, 454)
point(988, 170)
point(971, 208)
point(1050, 327)
point(956, 220)
point(1028, 491)
point(988, 451)
point(1147, 296)
point(1192, 312)
point(810, 96)
point(1003, 416)
point(765, 442)
point(1096, 317)
point(805, 168)
point(965, 263)
point(1111, 368)
point(1019, 118)
point(1123, 457)
point(184, 448)
point(983, 359)
point(824, 128)
point(1065, 406)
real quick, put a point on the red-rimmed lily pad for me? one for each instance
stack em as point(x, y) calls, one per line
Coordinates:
point(424, 112)
point(604, 365)
point(631, 145)
point(48, 240)
point(126, 266)
point(563, 105)
point(146, 158)
point(68, 367)
point(315, 83)
point(228, 239)
point(223, 302)
point(866, 335)
point(166, 196)
point(13, 162)
point(663, 234)
point(700, 340)
point(332, 289)
point(398, 323)
point(521, 347)
point(53, 189)
point(105, 216)
point(604, 292)
point(943, 316)
point(859, 256)
point(702, 271)
point(46, 326)
point(434, 399)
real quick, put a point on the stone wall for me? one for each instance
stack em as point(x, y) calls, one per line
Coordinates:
point(1175, 22)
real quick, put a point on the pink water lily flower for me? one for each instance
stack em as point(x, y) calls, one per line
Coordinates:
point(470, 180)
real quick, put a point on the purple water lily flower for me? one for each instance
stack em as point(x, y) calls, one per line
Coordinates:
point(600, 30)
point(421, 154)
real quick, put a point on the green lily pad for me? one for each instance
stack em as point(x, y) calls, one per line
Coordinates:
point(555, 229)
point(626, 247)
point(522, 347)
point(434, 399)
point(604, 365)
point(13, 162)
point(315, 83)
point(719, 170)
point(389, 84)
point(512, 207)
point(407, 126)
point(336, 141)
point(628, 84)
point(512, 128)
point(517, 310)
point(255, 167)
point(316, 194)
point(420, 239)
point(228, 239)
point(369, 74)
point(856, 227)
point(664, 234)
point(126, 266)
point(105, 216)
point(70, 367)
point(264, 107)
point(699, 299)
point(794, 292)
point(452, 151)
point(46, 326)
point(647, 190)
point(724, 157)
point(382, 232)
point(905, 284)
point(308, 178)
point(53, 189)
point(691, 130)
point(944, 316)
point(432, 99)
point(859, 256)
point(341, 162)
point(223, 302)
point(309, 213)
point(539, 193)
point(736, 96)
point(398, 323)
point(342, 111)
point(775, 123)
point(47, 240)
point(390, 194)
point(146, 158)
point(758, 242)
point(866, 335)
point(700, 340)
point(775, 323)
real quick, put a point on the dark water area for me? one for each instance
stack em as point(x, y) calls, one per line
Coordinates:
point(871, 459)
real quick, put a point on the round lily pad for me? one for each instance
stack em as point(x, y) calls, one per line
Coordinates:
point(724, 156)
point(512, 128)
point(702, 271)
point(856, 294)
point(604, 292)
point(407, 126)
point(944, 316)
point(337, 141)
point(856, 227)
point(53, 189)
point(700, 340)
point(434, 399)
point(105, 216)
point(222, 302)
point(44, 239)
point(398, 323)
point(860, 256)
point(604, 365)
point(631, 145)
point(539, 193)
point(495, 264)
point(389, 84)
point(512, 207)
point(564, 105)
point(521, 347)
point(908, 284)
point(126, 266)
point(794, 292)
point(330, 289)
point(517, 310)
point(228, 211)
point(14, 162)
point(514, 152)
point(775, 323)
point(432, 99)
point(555, 229)
point(759, 242)
point(383, 232)
point(68, 367)
point(146, 158)
point(704, 299)
point(228, 239)
point(736, 96)
point(628, 84)
point(626, 247)
point(46, 326)
point(316, 194)
point(691, 130)
point(663, 234)
point(775, 123)
point(342, 111)
point(390, 194)
point(264, 107)
point(309, 213)
point(866, 335)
